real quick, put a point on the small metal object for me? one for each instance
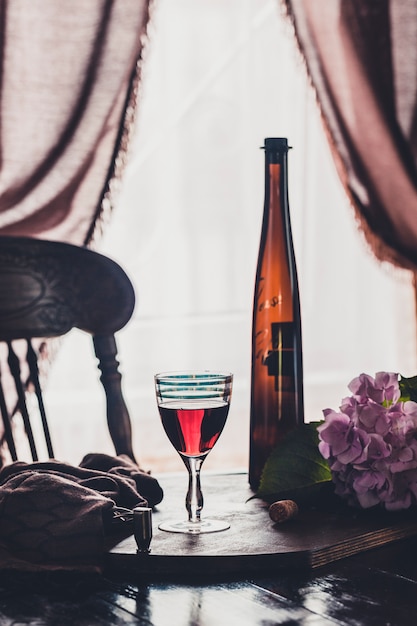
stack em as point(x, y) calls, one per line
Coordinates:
point(121, 514)
point(142, 528)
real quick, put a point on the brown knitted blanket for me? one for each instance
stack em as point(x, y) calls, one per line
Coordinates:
point(53, 514)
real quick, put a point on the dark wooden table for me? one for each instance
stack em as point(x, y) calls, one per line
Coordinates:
point(376, 587)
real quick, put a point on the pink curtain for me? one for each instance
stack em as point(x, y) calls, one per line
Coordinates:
point(69, 72)
point(361, 59)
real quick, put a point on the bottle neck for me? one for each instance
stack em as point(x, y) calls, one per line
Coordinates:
point(276, 156)
point(276, 176)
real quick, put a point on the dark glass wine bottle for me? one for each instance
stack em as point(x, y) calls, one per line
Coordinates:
point(277, 370)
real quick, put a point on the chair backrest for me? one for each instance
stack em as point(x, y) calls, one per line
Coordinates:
point(46, 289)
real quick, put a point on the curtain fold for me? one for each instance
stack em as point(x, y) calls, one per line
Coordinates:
point(69, 77)
point(361, 59)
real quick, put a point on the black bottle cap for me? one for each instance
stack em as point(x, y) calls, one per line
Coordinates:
point(276, 144)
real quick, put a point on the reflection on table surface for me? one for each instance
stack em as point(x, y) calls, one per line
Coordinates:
point(374, 588)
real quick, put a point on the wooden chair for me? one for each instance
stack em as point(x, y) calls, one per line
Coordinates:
point(46, 289)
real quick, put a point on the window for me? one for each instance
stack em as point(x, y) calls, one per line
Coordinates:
point(219, 77)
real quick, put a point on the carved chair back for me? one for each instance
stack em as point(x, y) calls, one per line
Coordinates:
point(46, 289)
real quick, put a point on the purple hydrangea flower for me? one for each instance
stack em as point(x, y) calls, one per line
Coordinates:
point(340, 438)
point(371, 444)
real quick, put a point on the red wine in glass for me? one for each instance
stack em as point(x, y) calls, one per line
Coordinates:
point(193, 407)
point(192, 430)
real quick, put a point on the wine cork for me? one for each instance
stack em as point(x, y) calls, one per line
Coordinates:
point(283, 511)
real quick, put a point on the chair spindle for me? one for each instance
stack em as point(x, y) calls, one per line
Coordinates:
point(14, 364)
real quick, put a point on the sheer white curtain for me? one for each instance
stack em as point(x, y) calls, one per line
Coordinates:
point(219, 77)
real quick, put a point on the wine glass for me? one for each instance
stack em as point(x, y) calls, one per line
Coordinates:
point(193, 407)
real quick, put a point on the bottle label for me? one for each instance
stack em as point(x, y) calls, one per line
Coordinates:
point(279, 358)
point(269, 304)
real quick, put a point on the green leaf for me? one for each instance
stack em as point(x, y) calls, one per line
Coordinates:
point(408, 387)
point(295, 465)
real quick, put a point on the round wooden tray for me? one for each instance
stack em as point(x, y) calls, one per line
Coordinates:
point(253, 543)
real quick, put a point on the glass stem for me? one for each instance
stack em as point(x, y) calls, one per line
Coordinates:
point(194, 498)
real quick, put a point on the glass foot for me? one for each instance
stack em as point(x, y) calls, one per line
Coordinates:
point(195, 528)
